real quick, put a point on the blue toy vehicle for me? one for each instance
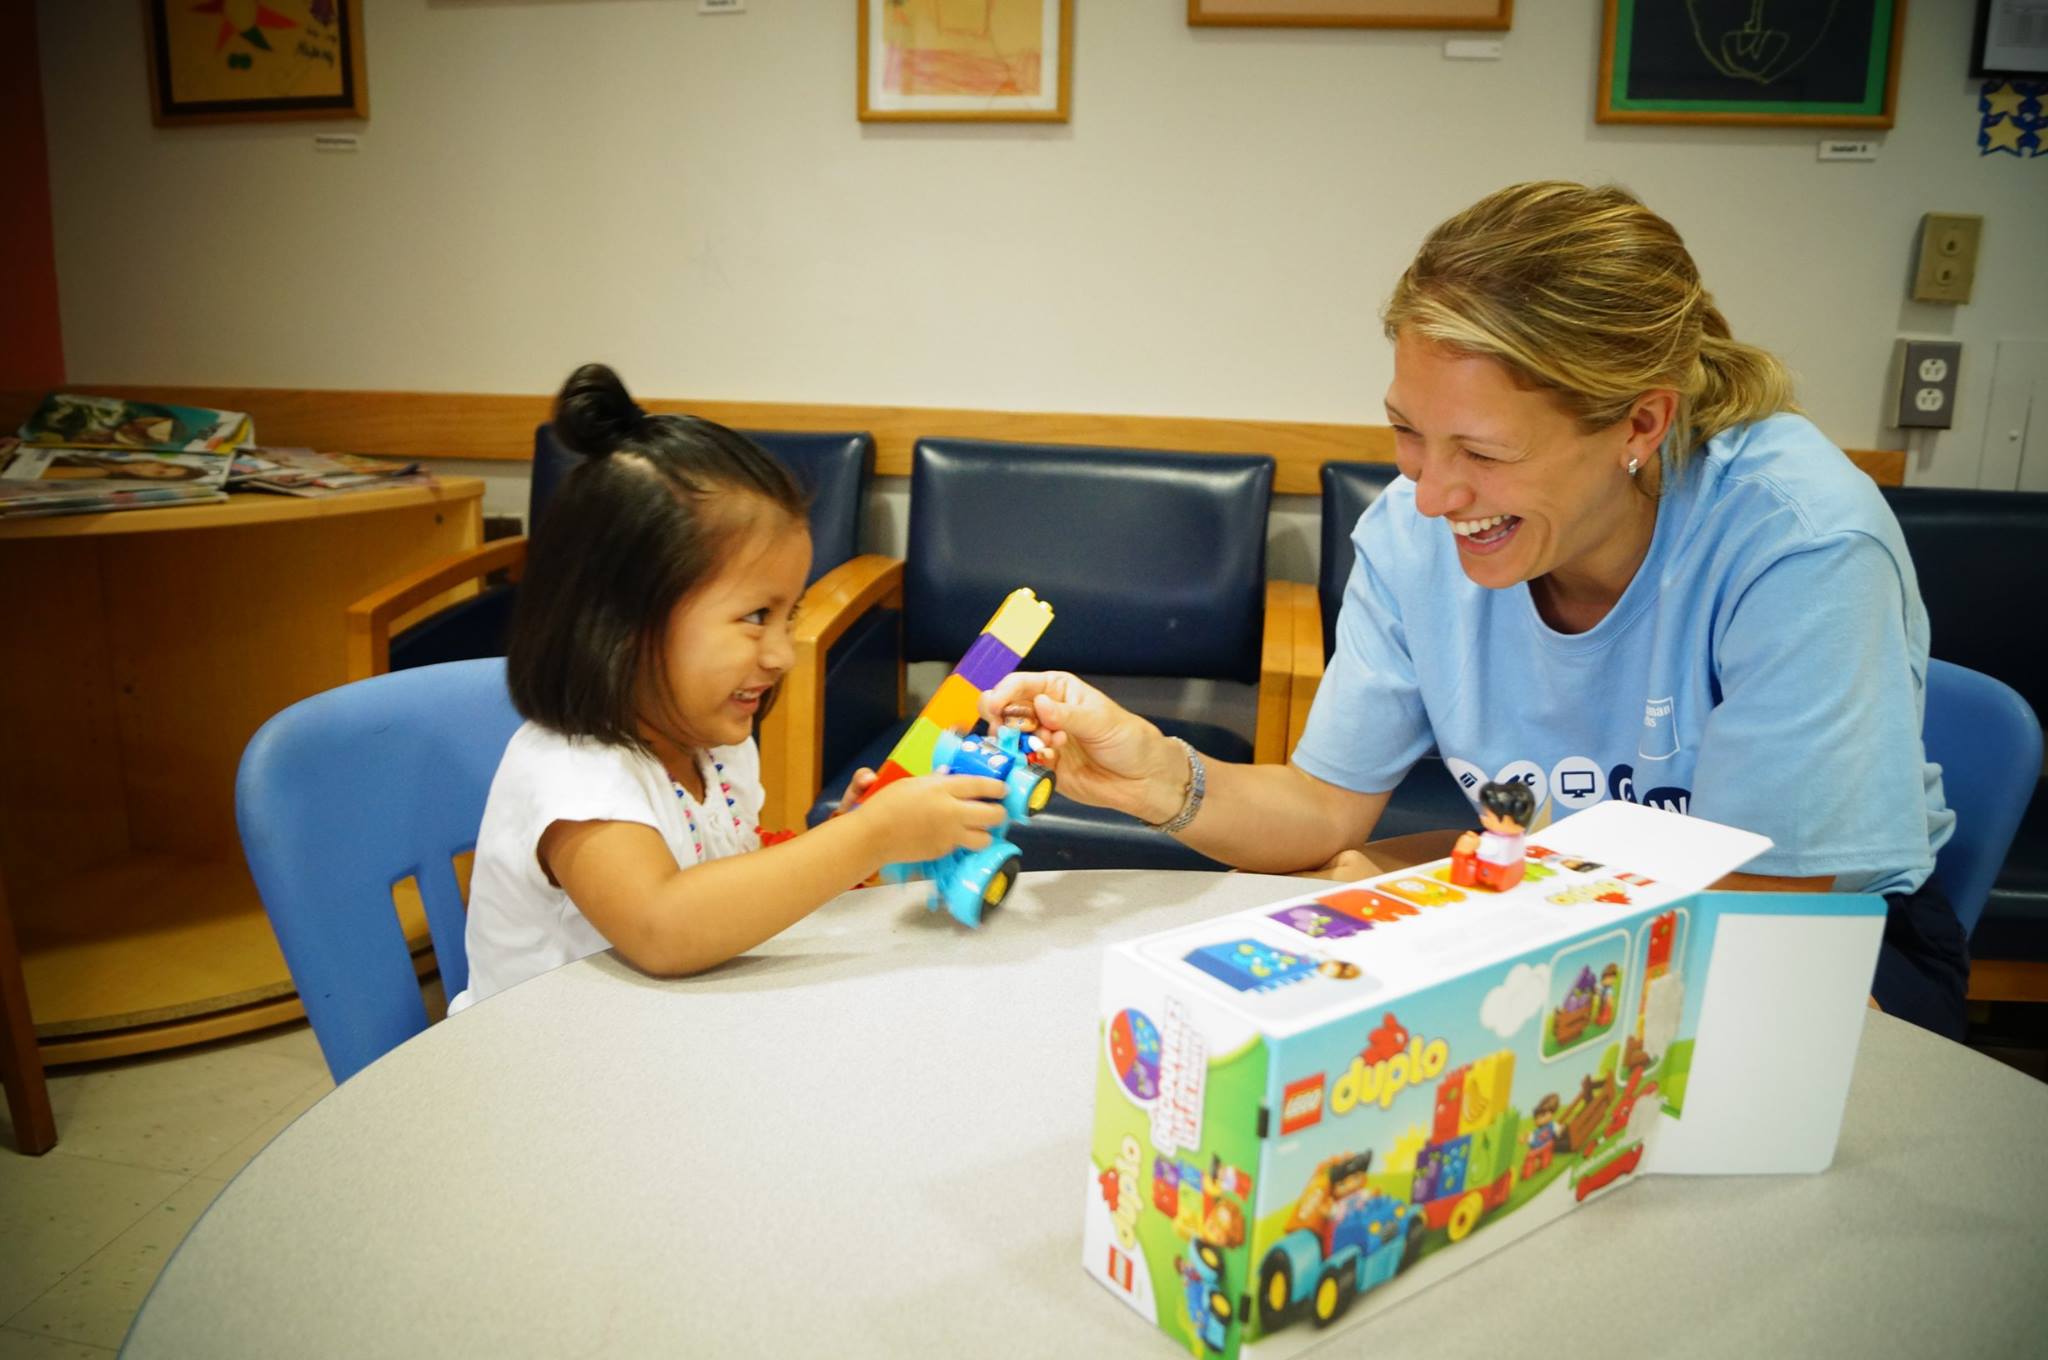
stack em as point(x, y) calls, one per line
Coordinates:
point(1209, 1310)
point(967, 882)
point(1372, 1237)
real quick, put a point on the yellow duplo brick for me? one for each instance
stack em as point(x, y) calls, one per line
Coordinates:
point(1487, 1087)
point(1020, 621)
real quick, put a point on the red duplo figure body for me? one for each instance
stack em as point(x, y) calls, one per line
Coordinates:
point(1494, 860)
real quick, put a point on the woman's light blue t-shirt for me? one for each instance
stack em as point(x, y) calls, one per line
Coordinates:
point(1766, 667)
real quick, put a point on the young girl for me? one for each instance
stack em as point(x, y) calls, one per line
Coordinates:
point(653, 623)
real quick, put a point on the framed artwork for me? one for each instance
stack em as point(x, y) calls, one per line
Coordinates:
point(227, 61)
point(1353, 13)
point(1818, 63)
point(966, 61)
point(2011, 41)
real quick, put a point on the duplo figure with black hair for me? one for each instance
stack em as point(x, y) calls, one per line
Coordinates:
point(1494, 859)
point(653, 624)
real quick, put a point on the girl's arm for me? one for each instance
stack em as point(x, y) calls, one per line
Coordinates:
point(669, 920)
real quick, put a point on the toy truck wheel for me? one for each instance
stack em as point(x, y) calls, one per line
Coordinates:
point(1333, 1294)
point(1411, 1250)
point(1276, 1291)
point(1465, 1217)
point(998, 885)
point(1210, 1257)
point(1040, 792)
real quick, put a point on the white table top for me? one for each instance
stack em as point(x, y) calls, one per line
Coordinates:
point(870, 1137)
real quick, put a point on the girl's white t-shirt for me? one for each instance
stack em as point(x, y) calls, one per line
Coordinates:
point(522, 925)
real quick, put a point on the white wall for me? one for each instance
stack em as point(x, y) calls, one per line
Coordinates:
point(548, 181)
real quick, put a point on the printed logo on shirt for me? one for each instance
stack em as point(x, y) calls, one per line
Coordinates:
point(1470, 777)
point(1660, 730)
point(1575, 783)
point(1621, 786)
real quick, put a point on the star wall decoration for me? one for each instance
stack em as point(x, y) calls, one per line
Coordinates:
point(2012, 115)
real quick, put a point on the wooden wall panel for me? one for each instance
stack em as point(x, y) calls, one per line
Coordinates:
point(500, 427)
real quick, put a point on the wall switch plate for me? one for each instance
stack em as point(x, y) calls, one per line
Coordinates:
point(1948, 257)
point(1923, 385)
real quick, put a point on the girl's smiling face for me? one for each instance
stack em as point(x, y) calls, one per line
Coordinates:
point(1525, 490)
point(728, 641)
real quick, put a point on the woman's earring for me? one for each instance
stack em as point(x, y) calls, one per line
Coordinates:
point(1633, 464)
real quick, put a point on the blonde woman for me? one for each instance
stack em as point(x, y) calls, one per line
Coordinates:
point(1615, 552)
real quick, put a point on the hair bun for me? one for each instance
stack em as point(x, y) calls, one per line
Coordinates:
point(594, 413)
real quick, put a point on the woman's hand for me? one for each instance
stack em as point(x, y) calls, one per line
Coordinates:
point(932, 815)
point(1348, 866)
point(1104, 753)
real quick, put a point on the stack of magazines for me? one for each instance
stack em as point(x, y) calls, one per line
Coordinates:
point(80, 455)
point(302, 472)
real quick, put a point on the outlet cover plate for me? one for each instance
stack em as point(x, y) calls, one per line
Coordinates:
point(1947, 263)
point(1924, 383)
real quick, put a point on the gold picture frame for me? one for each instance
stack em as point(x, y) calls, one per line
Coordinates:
point(293, 59)
point(1475, 14)
point(951, 61)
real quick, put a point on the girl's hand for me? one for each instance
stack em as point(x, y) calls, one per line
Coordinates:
point(1107, 755)
point(933, 815)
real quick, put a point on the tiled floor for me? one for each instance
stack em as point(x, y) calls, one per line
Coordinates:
point(143, 1146)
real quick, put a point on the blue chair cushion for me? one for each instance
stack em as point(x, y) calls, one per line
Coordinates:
point(1960, 539)
point(478, 626)
point(834, 469)
point(2015, 920)
point(1348, 490)
point(1154, 563)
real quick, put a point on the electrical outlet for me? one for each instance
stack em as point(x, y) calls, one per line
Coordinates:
point(1924, 374)
point(1948, 257)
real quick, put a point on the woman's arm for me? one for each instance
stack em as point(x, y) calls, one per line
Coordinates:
point(1266, 818)
point(1772, 883)
point(1278, 819)
point(669, 920)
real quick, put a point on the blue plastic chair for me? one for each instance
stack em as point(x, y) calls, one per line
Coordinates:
point(1988, 744)
point(343, 795)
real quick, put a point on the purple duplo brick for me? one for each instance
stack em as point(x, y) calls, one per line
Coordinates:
point(986, 662)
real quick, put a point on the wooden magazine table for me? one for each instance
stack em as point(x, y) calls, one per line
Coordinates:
point(141, 651)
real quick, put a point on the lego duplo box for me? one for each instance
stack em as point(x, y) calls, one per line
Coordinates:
point(1308, 1111)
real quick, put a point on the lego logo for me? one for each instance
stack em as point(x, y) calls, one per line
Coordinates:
point(1301, 1104)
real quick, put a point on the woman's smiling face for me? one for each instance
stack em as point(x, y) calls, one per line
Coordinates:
point(1524, 489)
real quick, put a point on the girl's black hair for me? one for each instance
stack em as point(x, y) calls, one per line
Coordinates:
point(1512, 800)
point(635, 527)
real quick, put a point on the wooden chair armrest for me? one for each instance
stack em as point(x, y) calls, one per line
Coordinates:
point(1308, 662)
point(792, 735)
point(838, 599)
point(371, 619)
point(1276, 672)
